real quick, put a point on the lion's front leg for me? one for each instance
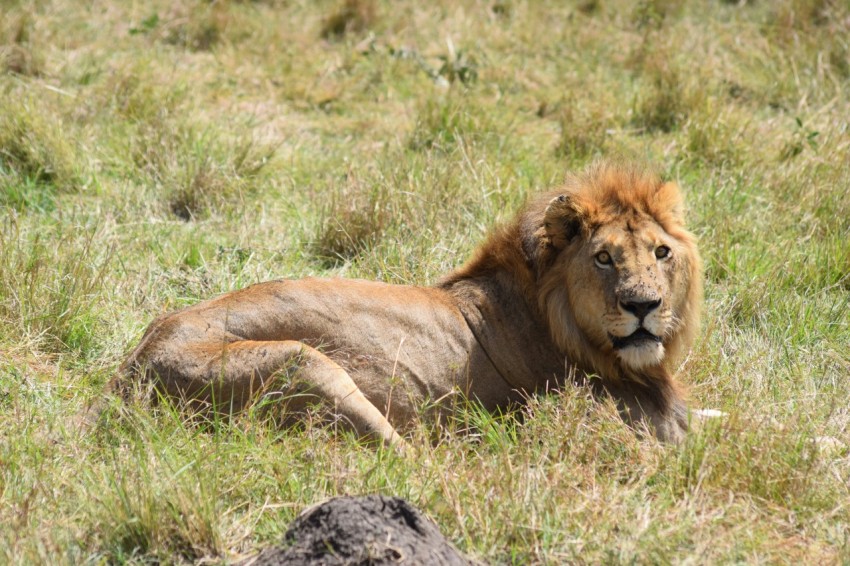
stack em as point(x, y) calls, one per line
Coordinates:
point(671, 426)
point(670, 420)
point(661, 409)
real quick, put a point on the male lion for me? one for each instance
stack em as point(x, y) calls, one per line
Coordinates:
point(597, 278)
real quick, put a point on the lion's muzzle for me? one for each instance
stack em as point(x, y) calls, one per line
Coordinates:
point(636, 338)
point(640, 308)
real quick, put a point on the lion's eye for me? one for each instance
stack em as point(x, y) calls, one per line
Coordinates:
point(662, 251)
point(603, 258)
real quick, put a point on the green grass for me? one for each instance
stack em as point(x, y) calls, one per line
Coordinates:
point(153, 154)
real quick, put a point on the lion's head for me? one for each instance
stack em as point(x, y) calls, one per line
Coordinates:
point(619, 276)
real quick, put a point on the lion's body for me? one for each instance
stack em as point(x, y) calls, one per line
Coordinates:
point(538, 305)
point(402, 346)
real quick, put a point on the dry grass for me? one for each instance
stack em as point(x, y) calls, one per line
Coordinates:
point(153, 154)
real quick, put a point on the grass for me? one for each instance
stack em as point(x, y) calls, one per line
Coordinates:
point(154, 154)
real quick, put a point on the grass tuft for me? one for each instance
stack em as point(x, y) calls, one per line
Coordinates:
point(651, 14)
point(441, 124)
point(793, 16)
point(352, 17)
point(157, 506)
point(19, 50)
point(48, 295)
point(665, 102)
point(583, 129)
point(136, 93)
point(34, 149)
point(357, 215)
point(199, 172)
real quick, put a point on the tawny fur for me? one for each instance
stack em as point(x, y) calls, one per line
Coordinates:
point(534, 308)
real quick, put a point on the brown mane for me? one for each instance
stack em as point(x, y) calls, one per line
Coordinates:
point(522, 255)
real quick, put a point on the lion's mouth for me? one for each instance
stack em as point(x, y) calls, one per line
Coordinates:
point(639, 336)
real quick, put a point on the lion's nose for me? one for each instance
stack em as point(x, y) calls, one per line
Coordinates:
point(640, 308)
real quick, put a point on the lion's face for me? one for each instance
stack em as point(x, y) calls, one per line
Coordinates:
point(626, 289)
point(626, 275)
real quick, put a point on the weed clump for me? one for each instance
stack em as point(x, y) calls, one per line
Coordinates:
point(18, 52)
point(664, 103)
point(441, 124)
point(765, 461)
point(356, 216)
point(199, 26)
point(715, 138)
point(35, 147)
point(198, 171)
point(801, 15)
point(804, 137)
point(458, 65)
point(48, 294)
point(196, 25)
point(136, 94)
point(161, 503)
point(583, 129)
point(651, 14)
point(353, 16)
point(195, 171)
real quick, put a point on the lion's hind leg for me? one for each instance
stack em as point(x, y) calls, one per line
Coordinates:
point(235, 374)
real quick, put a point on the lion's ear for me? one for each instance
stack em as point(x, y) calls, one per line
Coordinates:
point(671, 200)
point(561, 221)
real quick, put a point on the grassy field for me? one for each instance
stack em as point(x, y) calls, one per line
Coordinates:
point(156, 153)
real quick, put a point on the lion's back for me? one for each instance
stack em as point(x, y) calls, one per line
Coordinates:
point(375, 331)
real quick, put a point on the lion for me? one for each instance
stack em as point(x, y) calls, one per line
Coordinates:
point(597, 282)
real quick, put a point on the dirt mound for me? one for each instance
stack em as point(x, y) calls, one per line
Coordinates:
point(370, 530)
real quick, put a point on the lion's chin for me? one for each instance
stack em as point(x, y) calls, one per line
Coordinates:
point(642, 354)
